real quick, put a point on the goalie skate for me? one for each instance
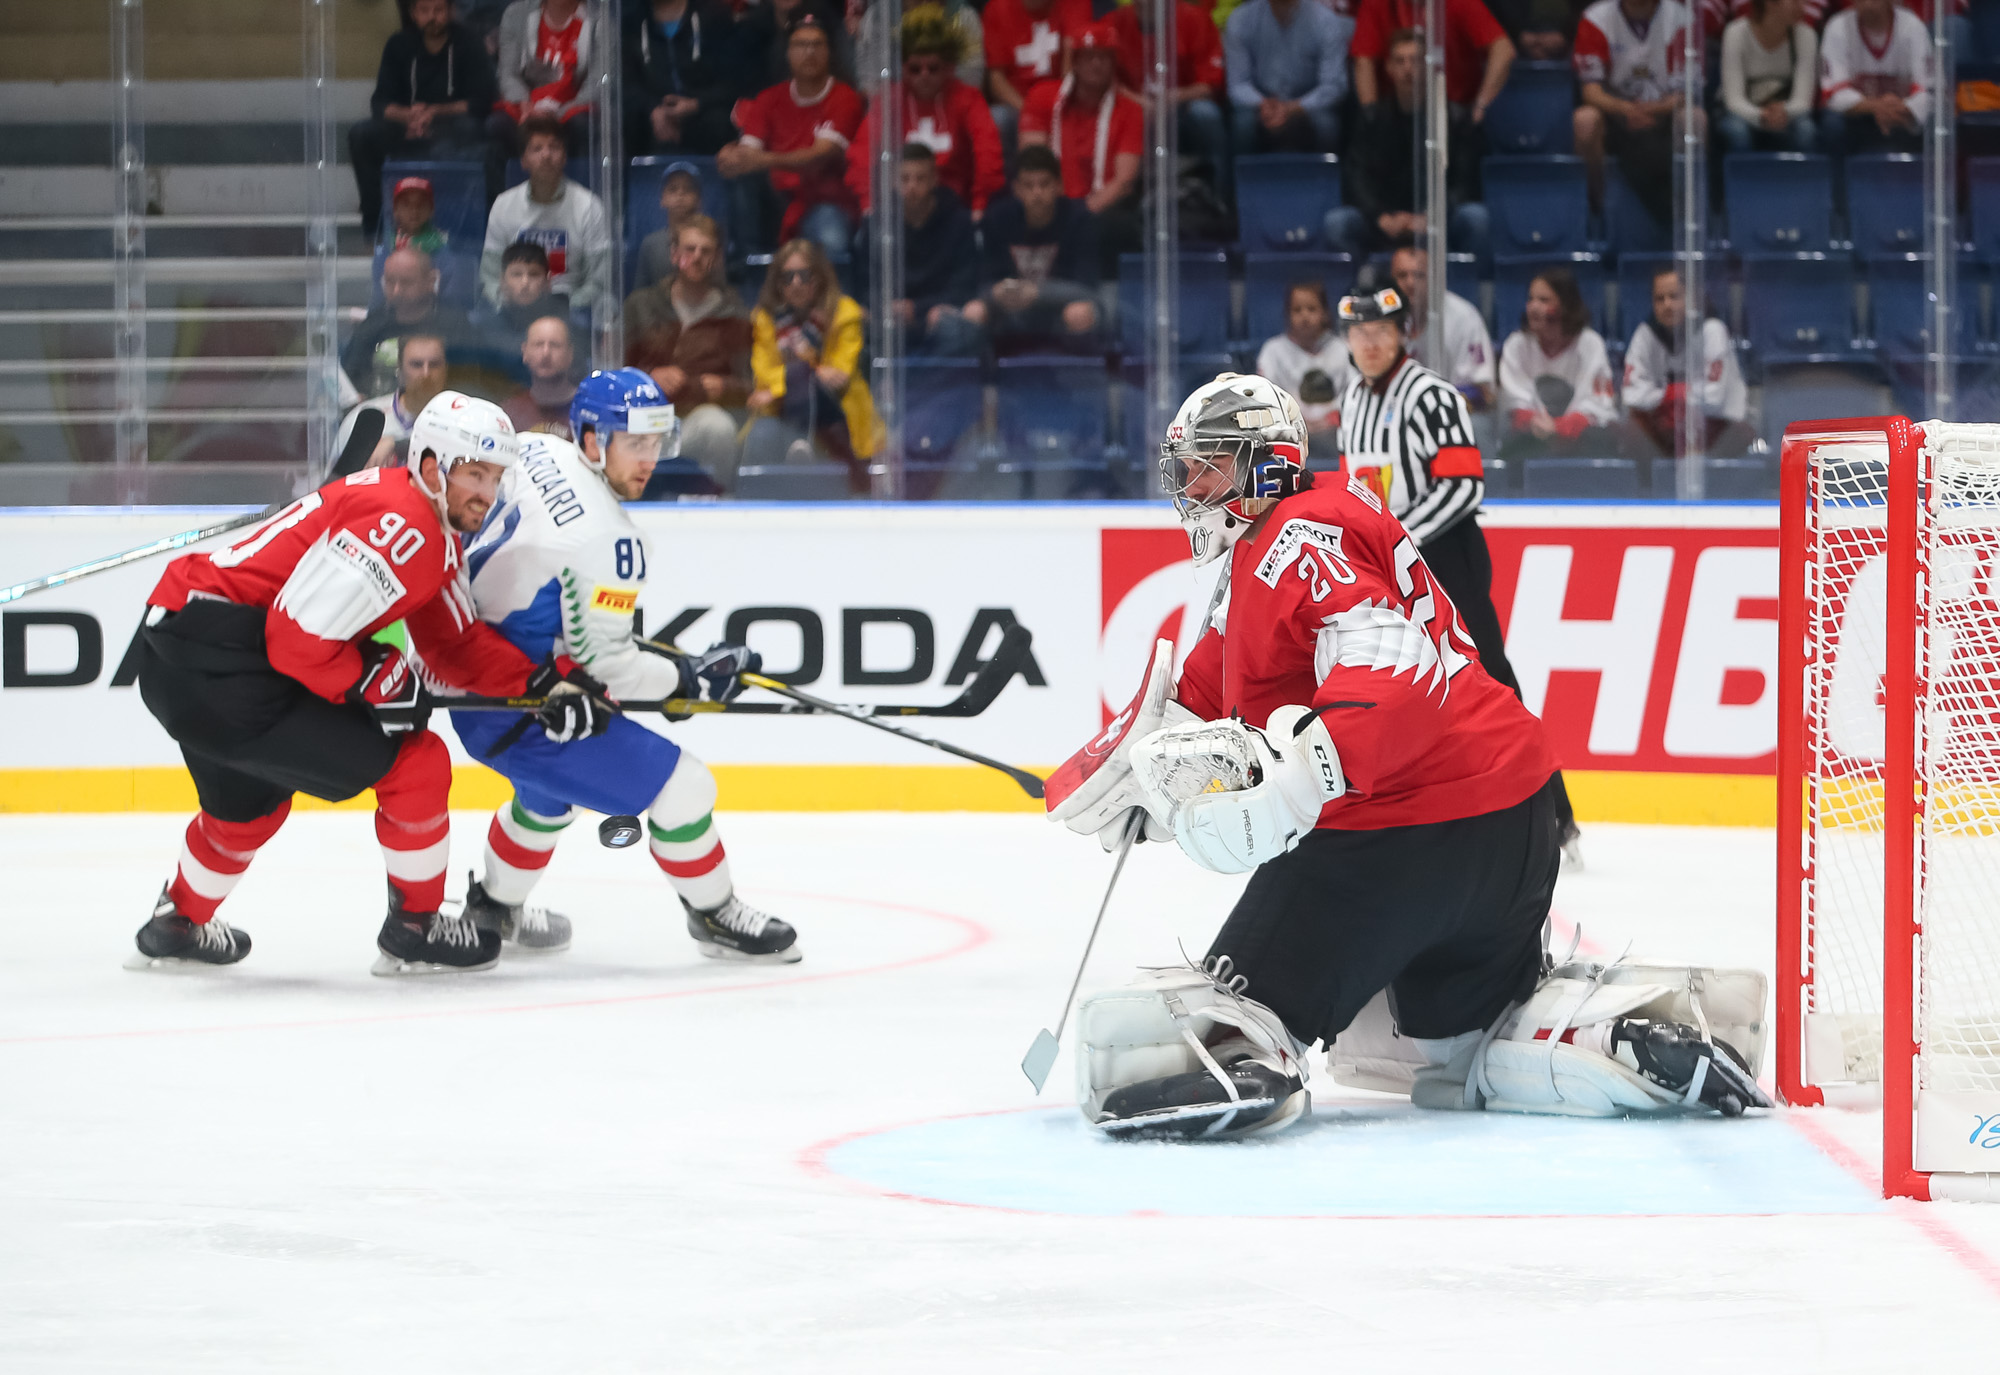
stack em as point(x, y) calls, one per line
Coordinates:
point(432, 943)
point(171, 941)
point(531, 930)
point(1197, 1104)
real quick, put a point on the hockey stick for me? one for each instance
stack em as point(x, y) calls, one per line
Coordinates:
point(354, 455)
point(1041, 1056)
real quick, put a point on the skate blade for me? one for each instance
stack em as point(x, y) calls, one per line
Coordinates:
point(791, 954)
point(1192, 1115)
point(171, 964)
point(517, 948)
point(389, 967)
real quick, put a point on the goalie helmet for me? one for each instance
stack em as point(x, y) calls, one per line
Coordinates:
point(455, 428)
point(1236, 448)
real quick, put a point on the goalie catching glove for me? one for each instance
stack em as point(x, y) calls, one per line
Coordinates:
point(1236, 796)
point(1096, 790)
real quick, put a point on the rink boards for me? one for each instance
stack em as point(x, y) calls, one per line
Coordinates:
point(1646, 636)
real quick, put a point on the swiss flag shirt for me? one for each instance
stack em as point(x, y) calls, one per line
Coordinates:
point(956, 126)
point(1088, 138)
point(780, 120)
point(1329, 605)
point(1197, 48)
point(341, 563)
point(1025, 47)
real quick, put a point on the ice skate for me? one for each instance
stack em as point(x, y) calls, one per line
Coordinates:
point(432, 942)
point(531, 930)
point(169, 940)
point(738, 931)
point(1197, 1105)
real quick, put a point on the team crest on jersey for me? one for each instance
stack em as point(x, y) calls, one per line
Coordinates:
point(619, 601)
point(1295, 538)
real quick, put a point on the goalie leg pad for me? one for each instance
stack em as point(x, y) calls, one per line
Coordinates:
point(1181, 1052)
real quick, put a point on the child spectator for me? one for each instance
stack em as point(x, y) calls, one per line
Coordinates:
point(792, 153)
point(1466, 360)
point(549, 355)
point(1098, 132)
point(1656, 383)
point(1310, 361)
point(806, 355)
point(682, 69)
point(1628, 59)
point(1876, 80)
point(1770, 66)
point(432, 94)
point(940, 260)
point(691, 332)
point(421, 373)
point(1025, 41)
point(411, 207)
point(939, 111)
point(410, 305)
point(524, 298)
point(553, 211)
point(680, 198)
point(1477, 52)
point(1555, 377)
point(544, 68)
point(1041, 262)
point(1200, 80)
point(1287, 64)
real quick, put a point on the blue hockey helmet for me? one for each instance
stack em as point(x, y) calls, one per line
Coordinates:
point(623, 399)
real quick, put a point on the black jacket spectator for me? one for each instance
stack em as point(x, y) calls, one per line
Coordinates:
point(940, 258)
point(429, 62)
point(1068, 244)
point(410, 74)
point(701, 62)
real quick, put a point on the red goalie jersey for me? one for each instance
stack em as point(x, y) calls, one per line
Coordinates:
point(1330, 606)
point(341, 563)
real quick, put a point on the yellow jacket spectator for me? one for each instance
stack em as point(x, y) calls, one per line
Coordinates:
point(806, 356)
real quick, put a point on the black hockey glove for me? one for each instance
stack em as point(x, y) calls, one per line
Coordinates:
point(389, 689)
point(575, 705)
point(1670, 1053)
point(719, 669)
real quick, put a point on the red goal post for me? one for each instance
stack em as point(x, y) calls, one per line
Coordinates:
point(1889, 788)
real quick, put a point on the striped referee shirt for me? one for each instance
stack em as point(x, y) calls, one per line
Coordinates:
point(1410, 437)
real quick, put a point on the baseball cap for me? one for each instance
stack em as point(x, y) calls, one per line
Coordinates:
point(422, 184)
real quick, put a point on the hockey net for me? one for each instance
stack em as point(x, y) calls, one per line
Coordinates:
point(1889, 883)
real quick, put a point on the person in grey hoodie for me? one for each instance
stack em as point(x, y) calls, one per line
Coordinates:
point(566, 219)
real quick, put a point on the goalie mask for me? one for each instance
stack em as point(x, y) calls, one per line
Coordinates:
point(1236, 448)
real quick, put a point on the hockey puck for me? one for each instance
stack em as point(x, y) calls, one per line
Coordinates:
point(618, 832)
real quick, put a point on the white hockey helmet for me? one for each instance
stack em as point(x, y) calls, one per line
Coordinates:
point(456, 428)
point(1251, 432)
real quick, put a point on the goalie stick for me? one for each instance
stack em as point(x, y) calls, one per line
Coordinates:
point(354, 455)
point(1041, 1056)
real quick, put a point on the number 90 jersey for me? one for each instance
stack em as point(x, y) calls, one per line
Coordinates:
point(558, 566)
point(1330, 606)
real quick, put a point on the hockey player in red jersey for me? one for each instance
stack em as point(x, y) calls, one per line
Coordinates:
point(1333, 734)
point(258, 659)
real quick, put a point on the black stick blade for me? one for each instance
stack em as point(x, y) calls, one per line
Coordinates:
point(360, 445)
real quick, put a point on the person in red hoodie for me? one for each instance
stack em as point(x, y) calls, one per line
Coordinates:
point(261, 661)
point(1200, 80)
point(937, 110)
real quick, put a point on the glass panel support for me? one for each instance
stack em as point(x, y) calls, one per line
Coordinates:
point(322, 372)
point(1690, 249)
point(128, 244)
point(885, 247)
point(1433, 179)
point(1941, 220)
point(607, 155)
point(1160, 197)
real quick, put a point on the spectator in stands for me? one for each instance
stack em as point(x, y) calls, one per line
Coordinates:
point(1041, 262)
point(806, 357)
point(1098, 132)
point(421, 373)
point(1467, 357)
point(1025, 44)
point(940, 261)
point(1382, 178)
point(544, 69)
point(524, 298)
point(410, 305)
point(682, 67)
point(432, 94)
point(1876, 80)
point(940, 111)
point(691, 332)
point(764, 32)
point(566, 219)
point(1310, 361)
point(1477, 53)
point(1201, 80)
point(1555, 376)
point(548, 353)
point(1540, 30)
point(960, 15)
point(1287, 68)
point(1770, 73)
point(680, 198)
point(1655, 388)
point(410, 209)
point(792, 156)
point(1628, 60)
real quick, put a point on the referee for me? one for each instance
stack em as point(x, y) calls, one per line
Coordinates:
point(1405, 431)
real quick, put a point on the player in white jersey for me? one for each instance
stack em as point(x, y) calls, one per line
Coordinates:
point(560, 565)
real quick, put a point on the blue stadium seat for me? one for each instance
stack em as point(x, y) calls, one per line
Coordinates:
point(1281, 199)
point(1635, 290)
point(1986, 30)
point(1779, 202)
point(1594, 479)
point(1141, 447)
point(1540, 205)
point(1533, 112)
point(1819, 392)
point(1629, 225)
point(458, 200)
point(1267, 277)
point(1723, 479)
point(1053, 409)
point(1983, 177)
point(642, 204)
point(1510, 289)
point(1204, 302)
point(943, 402)
point(1885, 203)
point(793, 482)
point(1799, 307)
point(1899, 307)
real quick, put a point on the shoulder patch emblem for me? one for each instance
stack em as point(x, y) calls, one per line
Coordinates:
point(367, 477)
point(619, 601)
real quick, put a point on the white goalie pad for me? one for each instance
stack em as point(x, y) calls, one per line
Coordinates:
point(1150, 1028)
point(1373, 1054)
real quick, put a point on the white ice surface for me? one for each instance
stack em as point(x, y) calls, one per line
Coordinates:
point(617, 1158)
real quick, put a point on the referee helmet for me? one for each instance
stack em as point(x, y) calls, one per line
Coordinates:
point(1386, 304)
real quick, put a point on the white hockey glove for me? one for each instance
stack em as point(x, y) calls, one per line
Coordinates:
point(1237, 796)
point(1094, 791)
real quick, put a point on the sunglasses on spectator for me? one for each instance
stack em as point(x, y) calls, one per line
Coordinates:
point(796, 274)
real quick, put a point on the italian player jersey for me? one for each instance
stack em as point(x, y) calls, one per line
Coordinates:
point(1329, 605)
point(341, 563)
